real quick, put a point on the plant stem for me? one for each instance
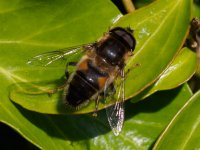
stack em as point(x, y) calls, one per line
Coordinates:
point(129, 6)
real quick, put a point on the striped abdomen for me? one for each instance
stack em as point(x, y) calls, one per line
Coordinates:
point(87, 81)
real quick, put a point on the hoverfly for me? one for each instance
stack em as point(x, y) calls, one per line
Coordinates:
point(102, 64)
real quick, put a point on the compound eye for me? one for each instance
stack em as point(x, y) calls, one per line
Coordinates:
point(125, 35)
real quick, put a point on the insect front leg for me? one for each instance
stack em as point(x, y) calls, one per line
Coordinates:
point(96, 105)
point(133, 67)
point(110, 90)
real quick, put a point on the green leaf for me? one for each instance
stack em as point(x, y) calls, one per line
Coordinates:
point(159, 36)
point(31, 27)
point(142, 3)
point(148, 118)
point(196, 11)
point(144, 123)
point(183, 132)
point(180, 71)
point(173, 76)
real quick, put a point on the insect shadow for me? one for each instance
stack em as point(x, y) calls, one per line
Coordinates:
point(85, 126)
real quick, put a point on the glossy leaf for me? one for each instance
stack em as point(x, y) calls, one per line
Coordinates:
point(172, 77)
point(152, 115)
point(186, 61)
point(180, 71)
point(144, 123)
point(31, 27)
point(159, 36)
point(142, 3)
point(196, 11)
point(183, 132)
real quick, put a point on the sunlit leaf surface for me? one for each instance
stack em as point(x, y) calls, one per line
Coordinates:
point(183, 132)
point(159, 36)
point(186, 61)
point(29, 28)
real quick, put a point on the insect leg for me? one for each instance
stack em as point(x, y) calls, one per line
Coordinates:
point(96, 106)
point(133, 67)
point(110, 90)
point(59, 88)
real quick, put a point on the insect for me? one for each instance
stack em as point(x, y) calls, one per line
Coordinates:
point(102, 64)
point(195, 31)
point(193, 40)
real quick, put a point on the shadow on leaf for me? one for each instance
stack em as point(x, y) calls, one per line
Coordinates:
point(85, 126)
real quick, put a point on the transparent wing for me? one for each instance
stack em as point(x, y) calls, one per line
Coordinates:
point(115, 113)
point(48, 58)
